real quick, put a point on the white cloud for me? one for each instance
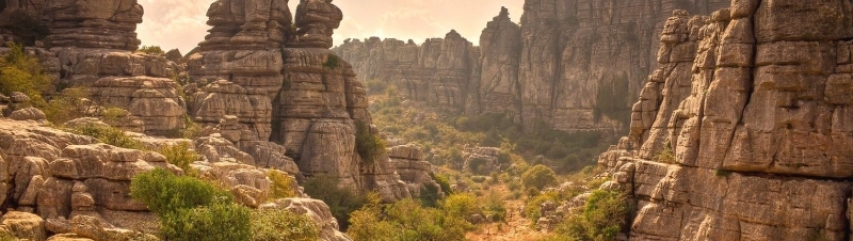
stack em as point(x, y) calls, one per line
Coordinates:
point(181, 23)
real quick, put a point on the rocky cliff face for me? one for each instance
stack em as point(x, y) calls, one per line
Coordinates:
point(287, 90)
point(752, 100)
point(570, 65)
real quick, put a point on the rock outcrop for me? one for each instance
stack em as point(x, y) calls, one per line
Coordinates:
point(292, 98)
point(752, 100)
point(571, 65)
point(109, 24)
point(90, 45)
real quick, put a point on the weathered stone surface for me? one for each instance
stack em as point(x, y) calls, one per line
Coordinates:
point(24, 225)
point(93, 228)
point(316, 21)
point(756, 122)
point(317, 211)
point(93, 24)
point(413, 170)
point(250, 24)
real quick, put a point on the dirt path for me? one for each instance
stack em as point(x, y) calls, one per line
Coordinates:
point(516, 228)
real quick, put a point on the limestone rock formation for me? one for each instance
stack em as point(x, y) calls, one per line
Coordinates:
point(751, 100)
point(316, 21)
point(107, 24)
point(279, 103)
point(500, 44)
point(409, 162)
point(317, 211)
point(571, 65)
point(249, 24)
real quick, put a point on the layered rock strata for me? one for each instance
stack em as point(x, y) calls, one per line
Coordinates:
point(752, 102)
point(109, 24)
point(89, 46)
point(291, 99)
point(571, 65)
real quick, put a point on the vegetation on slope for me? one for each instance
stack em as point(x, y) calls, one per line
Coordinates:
point(444, 133)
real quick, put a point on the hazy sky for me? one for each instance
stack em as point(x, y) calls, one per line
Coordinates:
point(181, 23)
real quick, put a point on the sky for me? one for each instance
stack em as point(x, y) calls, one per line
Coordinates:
point(181, 24)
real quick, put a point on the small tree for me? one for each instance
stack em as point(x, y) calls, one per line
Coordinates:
point(601, 220)
point(539, 176)
point(20, 72)
point(283, 225)
point(368, 145)
point(282, 185)
point(182, 155)
point(153, 49)
point(191, 209)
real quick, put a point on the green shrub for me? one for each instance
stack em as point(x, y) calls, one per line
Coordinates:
point(191, 209)
point(539, 177)
point(182, 155)
point(153, 49)
point(113, 114)
point(66, 106)
point(493, 208)
point(341, 201)
point(443, 182)
point(4, 236)
point(282, 225)
point(164, 192)
point(425, 224)
point(28, 28)
point(376, 87)
point(332, 61)
point(282, 185)
point(109, 135)
point(369, 146)
point(20, 72)
point(601, 220)
point(666, 155)
point(369, 224)
point(461, 205)
point(532, 210)
point(220, 221)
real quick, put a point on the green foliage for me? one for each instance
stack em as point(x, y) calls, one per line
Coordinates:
point(282, 225)
point(722, 173)
point(164, 192)
point(443, 182)
point(220, 221)
point(109, 135)
point(181, 155)
point(369, 146)
point(665, 156)
point(4, 236)
point(612, 99)
point(332, 61)
point(66, 106)
point(153, 49)
point(113, 114)
point(493, 208)
point(448, 130)
point(28, 28)
point(532, 210)
point(601, 220)
point(376, 87)
point(20, 72)
point(429, 196)
point(461, 205)
point(475, 166)
point(407, 220)
point(282, 185)
point(341, 201)
point(539, 177)
point(191, 209)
